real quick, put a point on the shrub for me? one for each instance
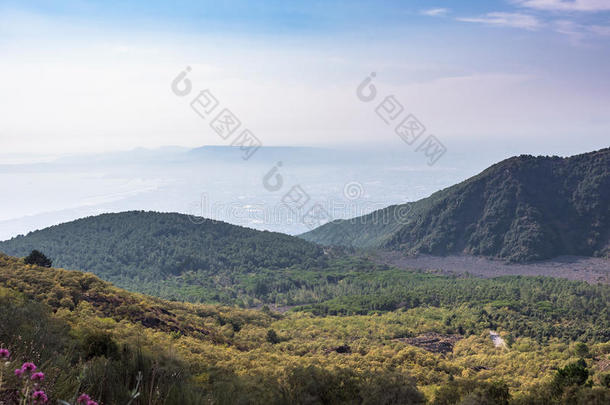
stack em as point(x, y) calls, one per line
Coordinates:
point(272, 337)
point(38, 258)
point(100, 345)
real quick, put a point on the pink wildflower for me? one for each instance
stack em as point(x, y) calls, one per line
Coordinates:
point(91, 402)
point(31, 367)
point(38, 376)
point(83, 399)
point(40, 397)
point(19, 372)
point(4, 354)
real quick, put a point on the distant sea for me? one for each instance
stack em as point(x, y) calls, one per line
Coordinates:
point(218, 184)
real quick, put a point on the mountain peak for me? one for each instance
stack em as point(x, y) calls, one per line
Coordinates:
point(523, 208)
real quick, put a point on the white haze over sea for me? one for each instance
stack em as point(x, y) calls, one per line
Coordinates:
point(215, 182)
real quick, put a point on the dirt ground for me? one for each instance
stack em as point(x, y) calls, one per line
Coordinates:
point(591, 270)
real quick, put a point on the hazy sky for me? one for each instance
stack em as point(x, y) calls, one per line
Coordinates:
point(79, 76)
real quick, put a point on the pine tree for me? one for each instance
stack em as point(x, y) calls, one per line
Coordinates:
point(38, 258)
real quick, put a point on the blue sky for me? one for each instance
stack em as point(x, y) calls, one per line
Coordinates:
point(322, 17)
point(91, 76)
point(308, 16)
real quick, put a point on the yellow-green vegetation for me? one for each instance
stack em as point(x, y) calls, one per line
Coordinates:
point(86, 332)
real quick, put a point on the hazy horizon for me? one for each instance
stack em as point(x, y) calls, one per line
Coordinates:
point(410, 98)
point(207, 182)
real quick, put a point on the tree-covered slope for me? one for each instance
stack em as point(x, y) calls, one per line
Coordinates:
point(521, 209)
point(147, 246)
point(88, 336)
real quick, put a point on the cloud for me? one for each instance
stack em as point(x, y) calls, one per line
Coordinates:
point(572, 30)
point(435, 12)
point(566, 5)
point(578, 33)
point(603, 30)
point(567, 27)
point(516, 20)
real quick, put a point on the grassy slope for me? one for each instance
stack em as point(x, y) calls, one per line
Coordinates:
point(521, 209)
point(210, 339)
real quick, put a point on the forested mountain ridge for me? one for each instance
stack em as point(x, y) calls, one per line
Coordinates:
point(138, 245)
point(524, 208)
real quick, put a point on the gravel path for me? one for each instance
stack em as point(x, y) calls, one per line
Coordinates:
point(497, 339)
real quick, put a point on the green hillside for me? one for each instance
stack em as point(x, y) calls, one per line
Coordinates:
point(139, 249)
point(88, 336)
point(522, 209)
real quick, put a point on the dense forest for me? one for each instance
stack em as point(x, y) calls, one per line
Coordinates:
point(150, 246)
point(538, 307)
point(522, 209)
point(338, 283)
point(110, 344)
